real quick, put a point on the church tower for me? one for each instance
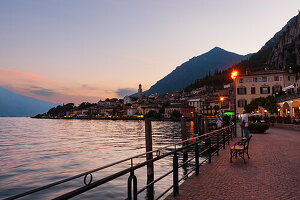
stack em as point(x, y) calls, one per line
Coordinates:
point(140, 92)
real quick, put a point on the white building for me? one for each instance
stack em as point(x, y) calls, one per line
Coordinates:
point(197, 103)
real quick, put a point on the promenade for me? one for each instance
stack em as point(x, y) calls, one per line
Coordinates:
point(272, 172)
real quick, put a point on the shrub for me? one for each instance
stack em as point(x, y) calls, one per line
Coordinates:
point(258, 127)
point(287, 120)
point(272, 119)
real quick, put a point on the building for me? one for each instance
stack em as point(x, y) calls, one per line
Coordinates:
point(253, 85)
point(140, 92)
point(185, 110)
point(197, 104)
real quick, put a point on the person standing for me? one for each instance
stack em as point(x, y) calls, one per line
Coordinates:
point(219, 122)
point(245, 124)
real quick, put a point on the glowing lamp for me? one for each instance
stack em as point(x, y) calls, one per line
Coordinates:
point(234, 74)
point(222, 99)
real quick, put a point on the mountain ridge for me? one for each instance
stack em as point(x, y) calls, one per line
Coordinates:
point(195, 68)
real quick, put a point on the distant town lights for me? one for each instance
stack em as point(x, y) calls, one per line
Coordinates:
point(234, 74)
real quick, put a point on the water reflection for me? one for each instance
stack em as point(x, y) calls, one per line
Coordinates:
point(35, 152)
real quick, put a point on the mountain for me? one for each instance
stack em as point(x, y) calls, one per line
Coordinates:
point(281, 52)
point(196, 68)
point(286, 53)
point(16, 105)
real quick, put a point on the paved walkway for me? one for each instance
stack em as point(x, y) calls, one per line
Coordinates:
point(273, 172)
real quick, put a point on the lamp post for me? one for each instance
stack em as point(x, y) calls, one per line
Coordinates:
point(222, 99)
point(234, 74)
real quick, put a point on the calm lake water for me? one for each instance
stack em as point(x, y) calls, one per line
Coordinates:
point(36, 152)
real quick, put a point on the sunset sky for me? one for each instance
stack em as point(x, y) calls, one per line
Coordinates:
point(85, 50)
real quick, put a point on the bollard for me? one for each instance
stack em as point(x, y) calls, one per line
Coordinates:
point(175, 175)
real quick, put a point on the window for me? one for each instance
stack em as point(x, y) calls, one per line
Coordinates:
point(264, 79)
point(276, 78)
point(280, 78)
point(265, 90)
point(289, 78)
point(292, 78)
point(242, 103)
point(252, 90)
point(270, 79)
point(241, 80)
point(242, 90)
point(276, 88)
point(254, 79)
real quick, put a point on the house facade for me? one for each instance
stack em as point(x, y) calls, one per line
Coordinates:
point(252, 85)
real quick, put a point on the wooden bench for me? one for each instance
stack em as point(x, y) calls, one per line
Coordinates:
point(240, 149)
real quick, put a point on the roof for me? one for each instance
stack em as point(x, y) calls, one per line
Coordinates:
point(180, 106)
point(265, 72)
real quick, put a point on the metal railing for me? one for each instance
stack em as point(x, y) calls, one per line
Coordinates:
point(203, 146)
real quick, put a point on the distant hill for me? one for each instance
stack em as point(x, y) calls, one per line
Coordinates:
point(196, 68)
point(16, 105)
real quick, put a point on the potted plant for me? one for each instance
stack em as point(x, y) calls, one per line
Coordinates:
point(258, 127)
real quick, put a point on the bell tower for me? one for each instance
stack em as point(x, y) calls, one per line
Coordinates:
point(140, 92)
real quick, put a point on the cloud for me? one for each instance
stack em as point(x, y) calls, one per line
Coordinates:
point(122, 92)
point(85, 86)
point(51, 90)
point(42, 91)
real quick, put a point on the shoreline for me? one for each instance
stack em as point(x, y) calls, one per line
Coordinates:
point(108, 118)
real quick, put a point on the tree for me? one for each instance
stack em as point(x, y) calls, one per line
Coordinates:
point(269, 103)
point(176, 114)
point(153, 114)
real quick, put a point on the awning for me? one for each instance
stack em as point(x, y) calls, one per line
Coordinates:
point(288, 87)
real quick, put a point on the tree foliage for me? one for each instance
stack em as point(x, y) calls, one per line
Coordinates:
point(176, 114)
point(269, 103)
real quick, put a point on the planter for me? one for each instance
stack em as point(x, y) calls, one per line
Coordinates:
point(257, 131)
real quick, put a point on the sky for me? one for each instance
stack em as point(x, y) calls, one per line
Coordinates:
point(85, 50)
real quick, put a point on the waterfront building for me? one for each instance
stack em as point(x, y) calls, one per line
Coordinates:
point(252, 85)
point(196, 103)
point(185, 110)
point(131, 111)
point(148, 108)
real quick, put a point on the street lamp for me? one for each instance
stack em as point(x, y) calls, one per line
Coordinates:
point(222, 99)
point(234, 74)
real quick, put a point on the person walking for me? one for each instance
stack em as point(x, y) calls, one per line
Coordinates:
point(245, 124)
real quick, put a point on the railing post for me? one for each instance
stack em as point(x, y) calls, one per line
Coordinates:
point(175, 175)
point(224, 140)
point(197, 158)
point(132, 178)
point(227, 131)
point(209, 150)
point(184, 137)
point(217, 143)
point(149, 156)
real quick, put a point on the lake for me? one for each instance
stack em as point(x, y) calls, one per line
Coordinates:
point(36, 152)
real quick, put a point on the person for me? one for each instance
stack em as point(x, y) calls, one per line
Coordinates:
point(245, 124)
point(226, 120)
point(219, 123)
